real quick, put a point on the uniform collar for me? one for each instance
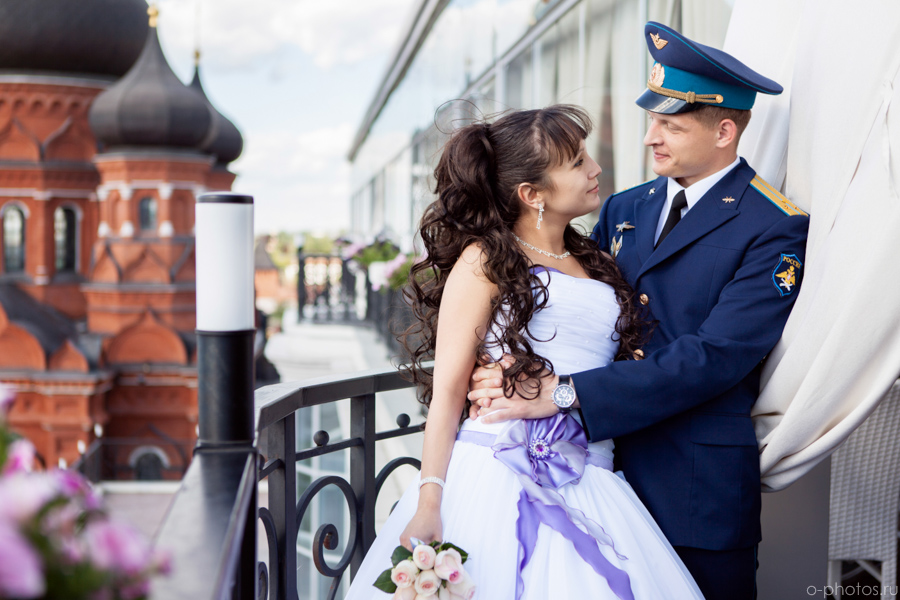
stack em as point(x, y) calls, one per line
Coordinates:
point(697, 190)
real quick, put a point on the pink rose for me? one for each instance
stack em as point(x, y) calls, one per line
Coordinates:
point(407, 593)
point(427, 583)
point(423, 556)
point(464, 588)
point(404, 574)
point(448, 565)
point(21, 573)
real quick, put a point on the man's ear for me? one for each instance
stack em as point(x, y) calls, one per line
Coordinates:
point(529, 195)
point(726, 134)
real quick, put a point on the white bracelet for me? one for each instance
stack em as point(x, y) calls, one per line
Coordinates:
point(436, 480)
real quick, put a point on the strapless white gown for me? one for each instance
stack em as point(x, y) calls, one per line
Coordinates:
point(479, 502)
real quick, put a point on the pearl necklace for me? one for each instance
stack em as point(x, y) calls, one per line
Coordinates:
point(565, 254)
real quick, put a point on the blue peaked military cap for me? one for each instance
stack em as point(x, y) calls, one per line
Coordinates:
point(688, 75)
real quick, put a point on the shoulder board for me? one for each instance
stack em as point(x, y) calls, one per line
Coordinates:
point(775, 197)
point(634, 187)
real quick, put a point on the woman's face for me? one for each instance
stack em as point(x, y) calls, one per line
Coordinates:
point(574, 191)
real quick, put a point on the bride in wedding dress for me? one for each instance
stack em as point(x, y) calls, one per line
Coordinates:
point(538, 509)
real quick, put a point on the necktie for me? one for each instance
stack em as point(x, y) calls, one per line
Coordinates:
point(678, 203)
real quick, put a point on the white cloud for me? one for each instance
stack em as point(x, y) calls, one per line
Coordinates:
point(236, 33)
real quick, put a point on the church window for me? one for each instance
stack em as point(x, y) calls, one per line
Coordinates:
point(65, 223)
point(147, 214)
point(13, 240)
point(149, 467)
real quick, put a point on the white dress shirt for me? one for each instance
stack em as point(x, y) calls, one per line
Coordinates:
point(692, 194)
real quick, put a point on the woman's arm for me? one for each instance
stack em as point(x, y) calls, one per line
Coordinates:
point(462, 320)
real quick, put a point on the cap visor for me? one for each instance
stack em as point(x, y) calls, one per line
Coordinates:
point(664, 105)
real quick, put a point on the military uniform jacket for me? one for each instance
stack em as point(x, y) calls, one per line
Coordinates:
point(720, 287)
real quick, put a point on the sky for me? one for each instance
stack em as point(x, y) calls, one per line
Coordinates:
point(296, 77)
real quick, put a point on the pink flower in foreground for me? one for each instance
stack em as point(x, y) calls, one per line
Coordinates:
point(20, 566)
point(465, 588)
point(116, 546)
point(22, 495)
point(427, 583)
point(404, 574)
point(19, 457)
point(423, 555)
point(448, 565)
point(407, 593)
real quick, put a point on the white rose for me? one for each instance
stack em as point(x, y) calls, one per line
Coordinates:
point(404, 574)
point(423, 556)
point(448, 565)
point(464, 588)
point(427, 583)
point(407, 593)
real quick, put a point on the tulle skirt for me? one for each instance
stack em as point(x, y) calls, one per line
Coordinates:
point(479, 512)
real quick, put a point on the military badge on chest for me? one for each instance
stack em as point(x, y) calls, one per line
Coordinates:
point(616, 244)
point(786, 275)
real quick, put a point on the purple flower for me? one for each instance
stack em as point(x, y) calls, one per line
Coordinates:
point(19, 458)
point(21, 575)
point(23, 494)
point(117, 546)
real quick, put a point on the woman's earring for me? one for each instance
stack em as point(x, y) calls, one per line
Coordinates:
point(540, 215)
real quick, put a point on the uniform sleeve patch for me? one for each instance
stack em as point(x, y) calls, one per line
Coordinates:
point(787, 274)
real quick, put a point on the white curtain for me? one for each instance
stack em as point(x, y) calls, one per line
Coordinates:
point(832, 144)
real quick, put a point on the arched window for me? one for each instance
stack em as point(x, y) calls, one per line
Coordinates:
point(148, 467)
point(13, 240)
point(147, 214)
point(65, 233)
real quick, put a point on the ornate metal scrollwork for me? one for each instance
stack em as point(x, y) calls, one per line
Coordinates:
point(270, 573)
point(326, 537)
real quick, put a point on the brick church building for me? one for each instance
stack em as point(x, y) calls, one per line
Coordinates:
point(103, 151)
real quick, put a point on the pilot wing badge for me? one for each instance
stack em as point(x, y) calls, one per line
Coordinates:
point(787, 274)
point(615, 246)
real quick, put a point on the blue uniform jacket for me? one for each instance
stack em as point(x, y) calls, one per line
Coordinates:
point(721, 286)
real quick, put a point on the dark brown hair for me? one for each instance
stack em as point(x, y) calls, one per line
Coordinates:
point(477, 179)
point(710, 116)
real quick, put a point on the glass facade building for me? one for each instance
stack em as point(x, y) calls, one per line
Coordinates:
point(468, 59)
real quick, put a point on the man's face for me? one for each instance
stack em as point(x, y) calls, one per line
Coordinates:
point(683, 148)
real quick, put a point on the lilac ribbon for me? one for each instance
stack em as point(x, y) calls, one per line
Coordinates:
point(546, 454)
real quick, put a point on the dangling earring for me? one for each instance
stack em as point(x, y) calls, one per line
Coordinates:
point(540, 215)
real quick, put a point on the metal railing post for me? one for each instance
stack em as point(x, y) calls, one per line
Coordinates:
point(225, 335)
point(362, 474)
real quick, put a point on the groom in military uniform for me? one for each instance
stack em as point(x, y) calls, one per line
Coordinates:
point(715, 255)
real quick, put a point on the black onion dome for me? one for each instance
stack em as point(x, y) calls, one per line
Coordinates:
point(224, 141)
point(88, 37)
point(150, 106)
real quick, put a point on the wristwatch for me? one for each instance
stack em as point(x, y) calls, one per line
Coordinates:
point(564, 394)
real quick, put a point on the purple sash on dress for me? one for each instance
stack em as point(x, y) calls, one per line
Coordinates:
point(546, 454)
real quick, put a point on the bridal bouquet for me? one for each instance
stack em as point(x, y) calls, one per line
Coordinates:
point(56, 541)
point(434, 569)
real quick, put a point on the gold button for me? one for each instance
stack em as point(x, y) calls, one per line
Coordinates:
point(645, 299)
point(638, 354)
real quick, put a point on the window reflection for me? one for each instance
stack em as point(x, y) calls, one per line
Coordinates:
point(65, 223)
point(147, 214)
point(13, 240)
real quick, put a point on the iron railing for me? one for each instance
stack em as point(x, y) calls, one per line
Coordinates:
point(206, 528)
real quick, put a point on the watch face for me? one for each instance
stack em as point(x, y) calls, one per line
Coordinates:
point(564, 396)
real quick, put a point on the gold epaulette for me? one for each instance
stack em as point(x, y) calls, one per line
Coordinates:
point(775, 197)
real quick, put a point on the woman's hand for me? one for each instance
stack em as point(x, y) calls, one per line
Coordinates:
point(425, 525)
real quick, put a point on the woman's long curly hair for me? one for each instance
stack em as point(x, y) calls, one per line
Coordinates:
point(478, 176)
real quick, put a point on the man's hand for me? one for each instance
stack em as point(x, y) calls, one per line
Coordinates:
point(488, 401)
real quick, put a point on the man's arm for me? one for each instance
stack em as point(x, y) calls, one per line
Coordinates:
point(741, 329)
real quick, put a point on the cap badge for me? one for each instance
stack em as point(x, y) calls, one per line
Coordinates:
point(623, 226)
point(657, 75)
point(727, 199)
point(658, 41)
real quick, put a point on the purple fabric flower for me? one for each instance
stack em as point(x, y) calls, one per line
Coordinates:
point(21, 574)
point(116, 546)
point(19, 457)
point(550, 451)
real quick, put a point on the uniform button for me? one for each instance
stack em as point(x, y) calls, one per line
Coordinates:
point(645, 299)
point(638, 354)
